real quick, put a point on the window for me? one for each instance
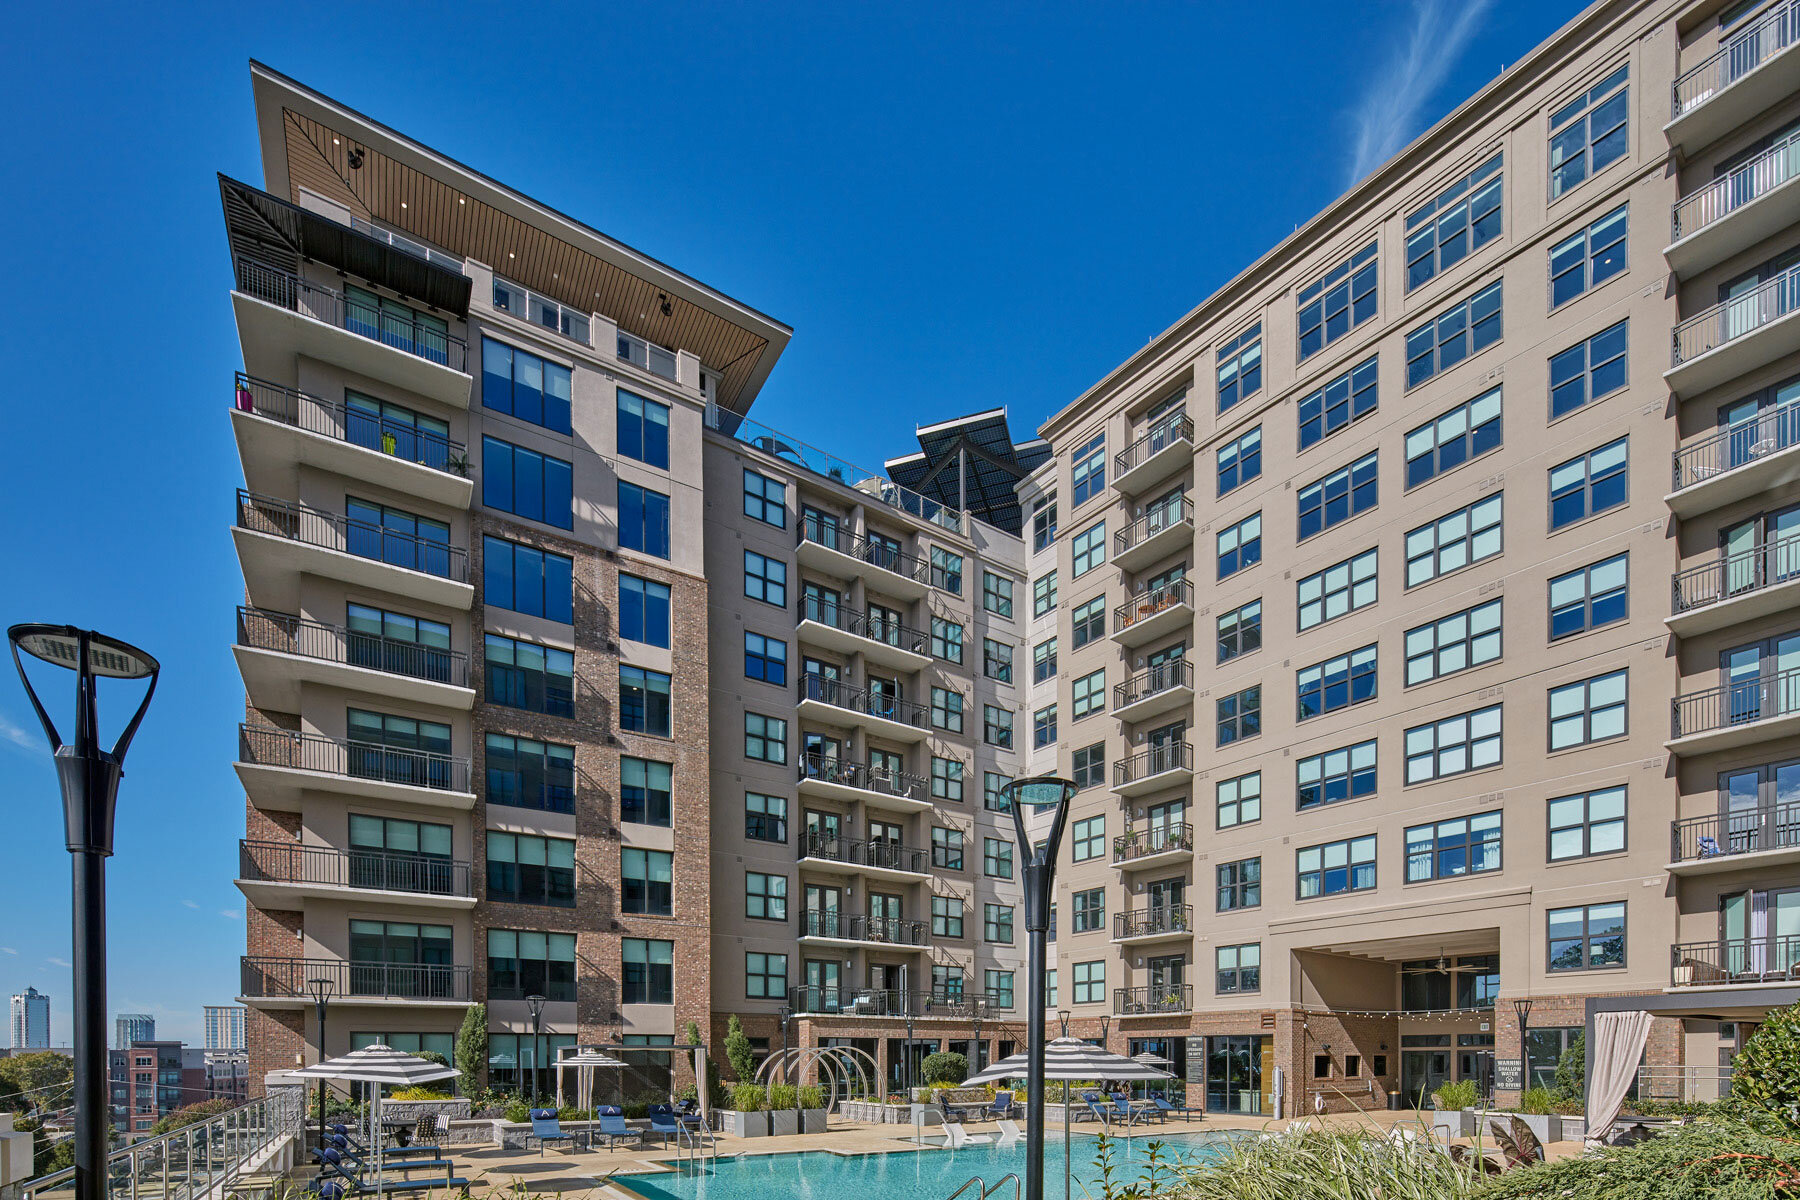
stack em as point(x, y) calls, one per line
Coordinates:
point(1454, 540)
point(1338, 497)
point(1090, 838)
point(1050, 976)
point(1087, 549)
point(1088, 696)
point(997, 726)
point(1587, 936)
point(946, 570)
point(522, 773)
point(1239, 715)
point(643, 520)
point(1337, 302)
point(765, 499)
point(1460, 846)
point(946, 640)
point(1239, 801)
point(1588, 598)
point(1466, 431)
point(1240, 546)
point(523, 963)
point(1588, 134)
point(1090, 982)
point(643, 429)
point(646, 881)
point(1043, 594)
point(1043, 661)
point(1043, 726)
point(1589, 370)
point(1043, 522)
point(1088, 622)
point(528, 676)
point(1238, 968)
point(1587, 823)
point(946, 779)
point(643, 611)
point(1240, 630)
point(1240, 461)
point(1589, 711)
point(997, 924)
point(1454, 643)
point(525, 579)
point(1454, 335)
point(765, 896)
point(1589, 258)
point(765, 579)
point(522, 385)
point(527, 484)
point(1339, 402)
point(946, 848)
point(992, 798)
point(1088, 474)
point(946, 917)
point(765, 658)
point(765, 738)
point(1335, 683)
point(1240, 884)
point(996, 858)
point(996, 660)
point(1462, 219)
point(1087, 766)
point(946, 710)
point(644, 789)
point(1090, 910)
point(647, 971)
point(997, 594)
point(765, 976)
point(1239, 367)
point(1336, 867)
point(999, 985)
point(523, 869)
point(399, 855)
point(644, 705)
point(1590, 484)
point(1466, 742)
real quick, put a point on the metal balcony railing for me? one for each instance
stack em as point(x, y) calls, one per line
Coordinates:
point(1740, 702)
point(346, 423)
point(1176, 427)
point(262, 629)
point(1166, 918)
point(282, 978)
point(1735, 318)
point(1744, 831)
point(1177, 673)
point(377, 870)
point(409, 331)
point(1770, 959)
point(839, 694)
point(1738, 444)
point(1741, 54)
point(864, 776)
point(1157, 998)
point(1725, 576)
point(1174, 756)
point(864, 550)
point(1158, 839)
point(333, 531)
point(864, 852)
point(854, 927)
point(1151, 601)
point(1158, 518)
point(1728, 193)
point(816, 1000)
point(266, 746)
point(875, 627)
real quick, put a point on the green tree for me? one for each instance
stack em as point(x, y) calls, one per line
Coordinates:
point(36, 1082)
point(472, 1048)
point(946, 1067)
point(1571, 1070)
point(737, 1049)
point(1765, 1075)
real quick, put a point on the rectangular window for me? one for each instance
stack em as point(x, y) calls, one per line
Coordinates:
point(997, 726)
point(1460, 846)
point(643, 611)
point(524, 963)
point(647, 971)
point(765, 499)
point(765, 579)
point(1593, 483)
point(1466, 431)
point(1043, 726)
point(1087, 549)
point(946, 640)
point(1454, 540)
point(1341, 401)
point(1050, 976)
point(527, 484)
point(644, 790)
point(946, 571)
point(1240, 461)
point(1336, 867)
point(1239, 885)
point(1238, 364)
point(643, 429)
point(643, 520)
point(1238, 969)
point(1337, 302)
point(1088, 622)
point(1587, 823)
point(646, 881)
point(1088, 472)
point(1454, 643)
point(1588, 134)
point(1589, 370)
point(1089, 694)
point(1466, 742)
point(644, 705)
point(996, 660)
point(520, 384)
point(1238, 801)
point(528, 676)
point(1043, 661)
point(1087, 766)
point(1240, 546)
point(996, 858)
point(1043, 522)
point(1587, 936)
point(1090, 982)
point(1043, 594)
point(946, 917)
point(997, 924)
point(1335, 683)
point(1089, 909)
point(1345, 774)
point(527, 580)
point(1589, 258)
point(1454, 335)
point(765, 896)
point(992, 798)
point(1090, 838)
point(946, 710)
point(1340, 588)
point(765, 817)
point(524, 869)
point(765, 976)
point(946, 779)
point(1239, 716)
point(1589, 711)
point(997, 594)
point(1240, 630)
point(765, 659)
point(999, 985)
point(522, 773)
point(1462, 219)
point(1338, 497)
point(765, 738)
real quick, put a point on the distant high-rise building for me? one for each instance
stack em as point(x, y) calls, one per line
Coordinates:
point(30, 1020)
point(133, 1027)
point(224, 1027)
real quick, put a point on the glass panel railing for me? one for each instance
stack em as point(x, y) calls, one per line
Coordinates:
point(510, 297)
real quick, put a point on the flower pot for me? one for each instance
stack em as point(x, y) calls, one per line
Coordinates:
point(812, 1120)
point(745, 1124)
point(783, 1122)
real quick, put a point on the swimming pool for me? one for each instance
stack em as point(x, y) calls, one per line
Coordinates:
point(909, 1174)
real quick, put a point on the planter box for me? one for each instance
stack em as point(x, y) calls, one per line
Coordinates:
point(1455, 1122)
point(417, 1110)
point(783, 1122)
point(812, 1120)
point(745, 1124)
point(1547, 1128)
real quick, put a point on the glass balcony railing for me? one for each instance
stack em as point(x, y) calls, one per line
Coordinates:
point(510, 297)
point(647, 356)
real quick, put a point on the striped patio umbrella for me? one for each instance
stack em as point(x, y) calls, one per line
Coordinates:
point(585, 1062)
point(382, 1066)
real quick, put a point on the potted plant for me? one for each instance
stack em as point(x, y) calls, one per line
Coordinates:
point(746, 1117)
point(389, 443)
point(784, 1116)
point(812, 1109)
point(460, 464)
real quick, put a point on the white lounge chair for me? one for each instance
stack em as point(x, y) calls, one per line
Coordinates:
point(960, 1137)
point(1009, 1132)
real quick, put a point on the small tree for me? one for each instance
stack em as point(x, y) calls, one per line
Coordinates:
point(472, 1048)
point(945, 1068)
point(35, 1082)
point(1765, 1075)
point(1571, 1070)
point(737, 1049)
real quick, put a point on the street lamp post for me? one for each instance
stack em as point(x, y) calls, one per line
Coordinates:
point(1522, 1009)
point(536, 1004)
point(787, 1066)
point(975, 1062)
point(90, 791)
point(321, 989)
point(1037, 793)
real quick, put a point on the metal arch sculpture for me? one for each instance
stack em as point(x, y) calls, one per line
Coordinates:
point(839, 1064)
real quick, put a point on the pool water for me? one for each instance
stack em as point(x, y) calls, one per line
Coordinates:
point(913, 1174)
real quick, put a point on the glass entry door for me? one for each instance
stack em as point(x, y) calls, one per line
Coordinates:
point(1422, 1072)
point(1235, 1072)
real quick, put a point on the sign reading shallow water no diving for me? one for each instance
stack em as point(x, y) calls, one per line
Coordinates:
point(1509, 1074)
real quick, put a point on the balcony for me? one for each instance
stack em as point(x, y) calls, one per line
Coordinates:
point(834, 928)
point(1735, 962)
point(278, 541)
point(876, 857)
point(830, 700)
point(1742, 840)
point(281, 317)
point(1154, 613)
point(281, 982)
point(1730, 588)
point(1736, 211)
point(1162, 531)
point(280, 429)
point(1738, 713)
point(1754, 69)
point(1738, 462)
point(1736, 336)
point(277, 653)
point(1165, 766)
point(844, 555)
point(1166, 450)
point(1156, 846)
point(1155, 690)
point(878, 639)
point(819, 1001)
point(273, 874)
point(277, 765)
point(1158, 999)
point(1154, 924)
point(893, 791)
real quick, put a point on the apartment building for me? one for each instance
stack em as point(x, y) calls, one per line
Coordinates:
point(151, 1079)
point(224, 1026)
point(30, 1020)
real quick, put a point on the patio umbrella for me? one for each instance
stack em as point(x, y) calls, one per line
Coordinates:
point(381, 1066)
point(584, 1061)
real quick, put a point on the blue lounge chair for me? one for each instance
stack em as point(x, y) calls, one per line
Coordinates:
point(334, 1179)
point(416, 1150)
point(1131, 1116)
point(663, 1121)
point(1001, 1107)
point(950, 1115)
point(614, 1129)
point(361, 1164)
point(1102, 1113)
point(545, 1128)
point(1167, 1109)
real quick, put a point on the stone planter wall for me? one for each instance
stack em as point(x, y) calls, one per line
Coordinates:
point(812, 1120)
point(417, 1110)
point(874, 1112)
point(745, 1124)
point(1455, 1122)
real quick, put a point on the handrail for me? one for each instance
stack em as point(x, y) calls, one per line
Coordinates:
point(974, 1182)
point(1739, 702)
point(863, 852)
point(1151, 601)
point(855, 927)
point(1167, 918)
point(341, 422)
point(376, 870)
point(840, 694)
point(1159, 518)
point(1741, 831)
point(271, 977)
point(265, 629)
point(866, 550)
point(412, 335)
point(1725, 576)
point(1176, 427)
point(1731, 319)
point(1740, 54)
point(1728, 193)
point(1175, 673)
point(818, 999)
point(1001, 1182)
point(1154, 998)
point(1767, 959)
point(1737, 445)
point(268, 746)
point(1174, 756)
point(863, 776)
point(334, 531)
point(1157, 839)
point(865, 624)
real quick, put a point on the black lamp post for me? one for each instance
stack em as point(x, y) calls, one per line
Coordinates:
point(975, 1062)
point(321, 989)
point(1522, 1008)
point(1037, 792)
point(536, 1004)
point(90, 790)
point(787, 1067)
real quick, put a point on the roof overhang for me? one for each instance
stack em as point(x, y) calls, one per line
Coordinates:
point(973, 464)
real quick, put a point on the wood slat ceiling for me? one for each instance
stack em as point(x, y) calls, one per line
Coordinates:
point(318, 159)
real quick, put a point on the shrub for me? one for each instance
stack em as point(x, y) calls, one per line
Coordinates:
point(1460, 1094)
point(635, 1110)
point(782, 1097)
point(1537, 1101)
point(1326, 1166)
point(747, 1097)
point(1765, 1075)
point(190, 1115)
point(1571, 1070)
point(420, 1093)
point(1707, 1160)
point(945, 1067)
point(472, 1047)
point(737, 1049)
point(569, 1112)
point(812, 1096)
point(518, 1112)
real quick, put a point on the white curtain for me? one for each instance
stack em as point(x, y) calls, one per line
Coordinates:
point(1618, 1044)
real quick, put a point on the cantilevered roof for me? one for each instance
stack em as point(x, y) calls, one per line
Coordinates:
point(973, 464)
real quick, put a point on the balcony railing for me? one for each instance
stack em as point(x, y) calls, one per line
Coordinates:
point(1158, 839)
point(1728, 193)
point(1176, 427)
point(891, 1002)
point(1739, 444)
point(449, 262)
point(545, 313)
point(1175, 756)
point(287, 978)
point(862, 549)
point(861, 852)
point(1741, 54)
point(409, 331)
point(1725, 576)
point(646, 355)
point(261, 629)
point(1744, 831)
point(864, 777)
point(854, 927)
point(265, 746)
point(1740, 702)
point(1159, 518)
point(1771, 959)
point(865, 625)
point(377, 870)
point(1177, 673)
point(333, 531)
point(358, 427)
point(839, 694)
point(1151, 601)
point(1167, 918)
point(1158, 998)
point(1741, 315)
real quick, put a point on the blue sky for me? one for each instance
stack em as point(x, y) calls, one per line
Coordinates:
point(955, 207)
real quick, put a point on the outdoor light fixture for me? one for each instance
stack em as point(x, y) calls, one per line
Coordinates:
point(1522, 1009)
point(356, 158)
point(1105, 1028)
point(1062, 1014)
point(320, 990)
point(535, 1003)
point(90, 791)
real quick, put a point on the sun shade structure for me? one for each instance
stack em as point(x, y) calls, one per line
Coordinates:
point(585, 1061)
point(382, 1066)
point(972, 464)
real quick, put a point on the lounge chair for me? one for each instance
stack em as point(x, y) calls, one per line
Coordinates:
point(332, 1172)
point(1122, 1108)
point(1001, 1107)
point(545, 1128)
point(614, 1129)
point(1167, 1109)
point(960, 1137)
point(363, 1163)
point(950, 1115)
point(663, 1121)
point(1009, 1133)
point(390, 1153)
point(1103, 1113)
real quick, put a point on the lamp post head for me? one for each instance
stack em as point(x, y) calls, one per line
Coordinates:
point(1037, 791)
point(1522, 1008)
point(321, 989)
point(786, 1015)
point(534, 1003)
point(1062, 1014)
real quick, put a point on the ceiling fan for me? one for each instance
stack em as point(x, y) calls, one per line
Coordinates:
point(1444, 966)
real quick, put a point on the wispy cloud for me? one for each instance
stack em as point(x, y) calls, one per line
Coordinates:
point(57, 962)
point(189, 904)
point(1387, 117)
point(232, 914)
point(15, 735)
point(7, 950)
